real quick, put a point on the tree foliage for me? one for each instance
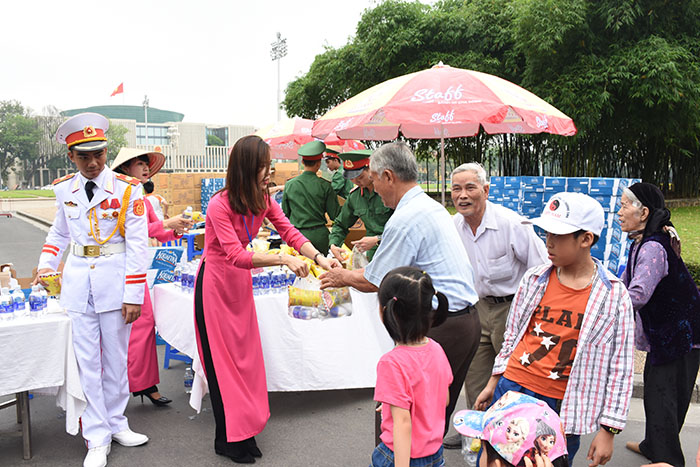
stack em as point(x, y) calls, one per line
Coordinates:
point(626, 71)
point(19, 135)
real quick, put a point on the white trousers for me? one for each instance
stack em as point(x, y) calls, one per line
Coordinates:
point(101, 343)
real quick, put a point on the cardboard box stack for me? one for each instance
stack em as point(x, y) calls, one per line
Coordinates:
point(285, 171)
point(527, 196)
point(181, 189)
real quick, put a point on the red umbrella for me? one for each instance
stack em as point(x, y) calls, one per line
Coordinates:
point(285, 136)
point(442, 102)
point(332, 141)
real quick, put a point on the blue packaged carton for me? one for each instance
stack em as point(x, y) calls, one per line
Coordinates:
point(604, 186)
point(555, 182)
point(166, 258)
point(511, 182)
point(497, 181)
point(532, 180)
point(496, 191)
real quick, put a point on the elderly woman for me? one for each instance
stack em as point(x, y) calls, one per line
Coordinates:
point(667, 303)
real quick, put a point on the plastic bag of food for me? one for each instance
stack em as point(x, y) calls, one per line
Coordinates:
point(359, 259)
point(308, 301)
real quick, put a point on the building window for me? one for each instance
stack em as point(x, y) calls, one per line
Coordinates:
point(221, 136)
point(157, 135)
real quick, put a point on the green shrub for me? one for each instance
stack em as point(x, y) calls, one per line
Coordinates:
point(694, 269)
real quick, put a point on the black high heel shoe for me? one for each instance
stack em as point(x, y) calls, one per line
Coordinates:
point(252, 447)
point(237, 451)
point(160, 402)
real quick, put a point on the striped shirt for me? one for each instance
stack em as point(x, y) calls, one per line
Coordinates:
point(421, 233)
point(600, 382)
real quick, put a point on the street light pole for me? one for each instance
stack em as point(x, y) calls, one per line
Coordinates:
point(145, 116)
point(279, 50)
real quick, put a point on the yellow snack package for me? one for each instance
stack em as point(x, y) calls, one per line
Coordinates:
point(303, 297)
point(53, 281)
point(198, 217)
point(288, 250)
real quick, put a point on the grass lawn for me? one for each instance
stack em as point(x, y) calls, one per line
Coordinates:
point(687, 222)
point(27, 194)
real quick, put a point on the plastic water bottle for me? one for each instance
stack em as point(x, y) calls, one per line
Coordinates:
point(274, 284)
point(291, 277)
point(189, 379)
point(35, 302)
point(470, 450)
point(302, 312)
point(187, 213)
point(264, 284)
point(256, 284)
point(177, 276)
point(44, 300)
point(7, 307)
point(18, 300)
point(191, 278)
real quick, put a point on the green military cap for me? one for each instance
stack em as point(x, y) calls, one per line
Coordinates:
point(354, 162)
point(333, 151)
point(312, 151)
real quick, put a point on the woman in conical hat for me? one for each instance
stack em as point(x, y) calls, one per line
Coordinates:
point(143, 359)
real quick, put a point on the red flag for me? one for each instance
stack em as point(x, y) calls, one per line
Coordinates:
point(119, 90)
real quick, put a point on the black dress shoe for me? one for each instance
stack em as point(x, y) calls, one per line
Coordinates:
point(236, 451)
point(252, 447)
point(160, 402)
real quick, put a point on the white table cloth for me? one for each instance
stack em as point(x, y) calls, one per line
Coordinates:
point(38, 356)
point(336, 353)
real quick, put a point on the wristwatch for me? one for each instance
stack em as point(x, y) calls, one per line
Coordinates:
point(611, 430)
point(379, 239)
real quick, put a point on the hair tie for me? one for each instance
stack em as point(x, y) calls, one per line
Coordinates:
point(395, 299)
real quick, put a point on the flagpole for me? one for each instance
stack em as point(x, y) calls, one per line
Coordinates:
point(145, 116)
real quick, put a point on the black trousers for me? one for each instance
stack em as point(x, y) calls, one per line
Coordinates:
point(459, 337)
point(667, 392)
point(217, 403)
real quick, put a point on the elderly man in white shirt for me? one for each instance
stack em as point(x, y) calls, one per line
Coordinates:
point(500, 250)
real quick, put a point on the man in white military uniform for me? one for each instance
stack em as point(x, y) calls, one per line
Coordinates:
point(500, 250)
point(101, 221)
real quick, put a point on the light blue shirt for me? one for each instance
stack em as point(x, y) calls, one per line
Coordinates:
point(421, 233)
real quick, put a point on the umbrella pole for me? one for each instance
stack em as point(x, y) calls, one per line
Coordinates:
point(443, 185)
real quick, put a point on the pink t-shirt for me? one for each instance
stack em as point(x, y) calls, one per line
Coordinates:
point(416, 379)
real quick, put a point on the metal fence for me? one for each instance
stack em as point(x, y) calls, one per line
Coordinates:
point(214, 159)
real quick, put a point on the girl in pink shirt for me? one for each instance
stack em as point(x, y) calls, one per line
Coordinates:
point(413, 378)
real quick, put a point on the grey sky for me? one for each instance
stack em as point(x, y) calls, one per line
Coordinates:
point(207, 59)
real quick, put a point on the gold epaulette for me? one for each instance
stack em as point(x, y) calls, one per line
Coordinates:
point(62, 179)
point(127, 179)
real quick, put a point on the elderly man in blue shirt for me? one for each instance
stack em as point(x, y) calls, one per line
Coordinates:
point(421, 233)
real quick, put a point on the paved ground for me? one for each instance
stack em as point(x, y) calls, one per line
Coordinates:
point(324, 429)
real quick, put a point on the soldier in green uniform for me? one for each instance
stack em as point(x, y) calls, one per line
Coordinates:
point(307, 198)
point(363, 202)
point(340, 184)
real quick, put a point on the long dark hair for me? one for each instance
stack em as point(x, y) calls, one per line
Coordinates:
point(406, 296)
point(248, 157)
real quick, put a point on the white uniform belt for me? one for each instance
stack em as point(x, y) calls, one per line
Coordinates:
point(97, 250)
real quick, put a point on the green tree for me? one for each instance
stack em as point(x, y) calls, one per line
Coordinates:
point(626, 71)
point(213, 140)
point(116, 139)
point(19, 135)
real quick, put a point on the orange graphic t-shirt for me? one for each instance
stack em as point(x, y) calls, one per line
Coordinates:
point(541, 362)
